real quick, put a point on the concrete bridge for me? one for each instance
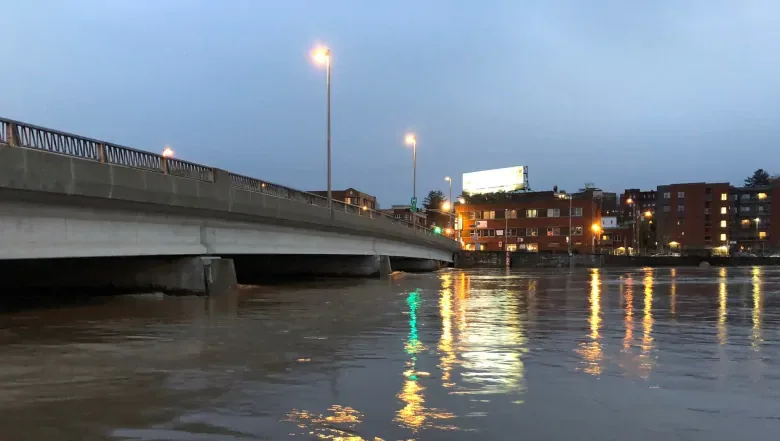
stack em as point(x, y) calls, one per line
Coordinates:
point(86, 213)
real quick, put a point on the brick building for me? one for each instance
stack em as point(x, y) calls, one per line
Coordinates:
point(533, 221)
point(692, 218)
point(403, 212)
point(755, 219)
point(352, 197)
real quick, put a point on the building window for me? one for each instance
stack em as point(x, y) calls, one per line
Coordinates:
point(667, 195)
point(762, 234)
point(744, 209)
point(511, 247)
point(723, 237)
point(472, 215)
point(680, 208)
point(761, 196)
point(760, 208)
point(723, 224)
point(707, 238)
point(531, 231)
point(617, 238)
point(744, 197)
point(723, 210)
point(576, 230)
point(706, 211)
point(680, 195)
point(532, 247)
point(724, 196)
point(553, 212)
point(745, 223)
point(666, 208)
point(531, 213)
point(511, 214)
point(553, 231)
point(487, 233)
point(488, 215)
point(576, 212)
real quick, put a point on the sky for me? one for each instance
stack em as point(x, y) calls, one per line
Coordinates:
point(623, 94)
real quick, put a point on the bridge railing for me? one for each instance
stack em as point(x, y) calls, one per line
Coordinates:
point(19, 134)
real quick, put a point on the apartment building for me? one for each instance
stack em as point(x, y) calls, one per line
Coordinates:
point(693, 218)
point(755, 221)
point(534, 222)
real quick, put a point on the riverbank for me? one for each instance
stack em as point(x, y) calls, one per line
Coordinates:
point(497, 259)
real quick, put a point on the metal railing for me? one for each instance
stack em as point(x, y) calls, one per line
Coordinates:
point(19, 134)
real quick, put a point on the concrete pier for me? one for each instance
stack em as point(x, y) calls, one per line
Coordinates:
point(175, 275)
point(415, 265)
point(257, 269)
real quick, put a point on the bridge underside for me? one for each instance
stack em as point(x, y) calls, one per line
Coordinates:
point(72, 247)
point(45, 231)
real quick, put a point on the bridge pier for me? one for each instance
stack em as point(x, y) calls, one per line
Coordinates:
point(415, 265)
point(173, 275)
point(260, 268)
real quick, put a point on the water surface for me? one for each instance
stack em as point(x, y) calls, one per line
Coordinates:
point(688, 354)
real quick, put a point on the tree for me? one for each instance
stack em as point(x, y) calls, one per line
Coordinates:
point(760, 178)
point(434, 200)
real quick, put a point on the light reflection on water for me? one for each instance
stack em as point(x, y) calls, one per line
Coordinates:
point(454, 355)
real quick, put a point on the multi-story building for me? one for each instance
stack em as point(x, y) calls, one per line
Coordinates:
point(404, 212)
point(609, 204)
point(533, 221)
point(633, 201)
point(352, 197)
point(692, 218)
point(755, 221)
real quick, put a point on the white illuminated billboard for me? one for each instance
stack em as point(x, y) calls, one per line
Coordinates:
point(491, 181)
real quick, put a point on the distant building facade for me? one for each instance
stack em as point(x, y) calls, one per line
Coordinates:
point(693, 218)
point(755, 221)
point(352, 197)
point(531, 222)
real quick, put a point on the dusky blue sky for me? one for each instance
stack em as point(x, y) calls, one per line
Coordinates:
point(619, 93)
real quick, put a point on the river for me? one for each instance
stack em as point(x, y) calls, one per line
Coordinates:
point(640, 354)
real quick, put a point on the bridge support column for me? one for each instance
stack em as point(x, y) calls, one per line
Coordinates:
point(385, 268)
point(174, 275)
point(415, 265)
point(260, 268)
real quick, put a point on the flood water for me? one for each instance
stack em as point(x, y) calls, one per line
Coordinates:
point(673, 354)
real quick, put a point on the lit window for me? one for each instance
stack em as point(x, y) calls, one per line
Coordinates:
point(577, 231)
point(512, 214)
point(761, 196)
point(531, 232)
point(723, 210)
point(511, 247)
point(762, 235)
point(488, 215)
point(553, 231)
point(531, 213)
point(723, 224)
point(745, 223)
point(553, 212)
point(723, 237)
point(724, 196)
point(472, 215)
point(576, 211)
point(680, 195)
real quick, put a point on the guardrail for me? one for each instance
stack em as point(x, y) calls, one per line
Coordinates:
point(19, 134)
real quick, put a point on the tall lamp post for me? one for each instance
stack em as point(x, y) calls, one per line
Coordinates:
point(411, 139)
point(452, 205)
point(758, 236)
point(635, 239)
point(322, 55)
point(596, 231)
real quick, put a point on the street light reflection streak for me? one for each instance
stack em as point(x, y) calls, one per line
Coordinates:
point(673, 294)
point(446, 351)
point(758, 310)
point(722, 307)
point(592, 351)
point(628, 338)
point(646, 364)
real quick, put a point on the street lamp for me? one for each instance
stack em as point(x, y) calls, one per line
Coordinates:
point(322, 55)
point(445, 206)
point(449, 179)
point(411, 140)
point(167, 152)
point(596, 231)
point(758, 235)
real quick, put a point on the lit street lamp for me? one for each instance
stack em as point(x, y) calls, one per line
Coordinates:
point(411, 140)
point(758, 235)
point(596, 231)
point(449, 179)
point(322, 55)
point(167, 152)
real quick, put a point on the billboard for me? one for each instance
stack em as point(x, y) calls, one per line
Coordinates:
point(491, 181)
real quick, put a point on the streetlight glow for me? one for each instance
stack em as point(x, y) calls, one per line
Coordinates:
point(445, 206)
point(758, 220)
point(648, 213)
point(596, 228)
point(448, 179)
point(410, 139)
point(167, 152)
point(462, 200)
point(321, 55)
point(629, 201)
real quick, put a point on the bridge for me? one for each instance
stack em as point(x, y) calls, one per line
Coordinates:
point(85, 213)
